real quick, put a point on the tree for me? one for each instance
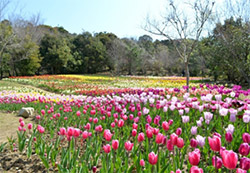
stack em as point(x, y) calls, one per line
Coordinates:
point(183, 30)
point(55, 53)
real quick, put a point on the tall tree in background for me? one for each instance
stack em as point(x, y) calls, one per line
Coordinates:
point(182, 30)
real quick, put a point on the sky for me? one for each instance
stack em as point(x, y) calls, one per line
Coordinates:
point(124, 18)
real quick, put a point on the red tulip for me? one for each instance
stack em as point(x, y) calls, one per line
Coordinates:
point(244, 149)
point(229, 159)
point(196, 169)
point(152, 158)
point(215, 143)
point(115, 144)
point(128, 146)
point(106, 148)
point(194, 157)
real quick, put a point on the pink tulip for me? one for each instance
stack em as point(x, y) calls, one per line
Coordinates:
point(229, 137)
point(20, 119)
point(142, 162)
point(173, 138)
point(178, 131)
point(238, 170)
point(246, 137)
point(107, 148)
point(149, 133)
point(78, 113)
point(229, 159)
point(22, 124)
point(244, 149)
point(77, 132)
point(135, 126)
point(95, 120)
point(134, 132)
point(92, 112)
point(62, 131)
point(70, 131)
point(193, 143)
point(218, 162)
point(115, 144)
point(128, 146)
point(20, 128)
point(245, 163)
point(152, 158)
point(140, 137)
point(215, 143)
point(120, 123)
point(196, 169)
point(170, 146)
point(29, 126)
point(87, 126)
point(113, 124)
point(107, 135)
point(165, 125)
point(180, 143)
point(85, 135)
point(159, 138)
point(43, 112)
point(194, 157)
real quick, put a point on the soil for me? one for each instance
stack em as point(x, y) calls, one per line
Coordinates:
point(10, 160)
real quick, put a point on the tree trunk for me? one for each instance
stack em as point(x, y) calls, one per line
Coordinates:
point(187, 75)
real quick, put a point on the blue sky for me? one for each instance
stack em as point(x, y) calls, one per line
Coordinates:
point(121, 17)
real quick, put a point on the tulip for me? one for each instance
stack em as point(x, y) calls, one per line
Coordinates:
point(152, 158)
point(134, 132)
point(218, 162)
point(185, 119)
point(95, 120)
point(170, 146)
point(165, 125)
point(106, 148)
point(246, 137)
point(115, 144)
point(85, 135)
point(159, 138)
point(201, 140)
point(20, 119)
point(245, 163)
point(62, 131)
point(78, 113)
point(229, 159)
point(170, 122)
point(113, 124)
point(120, 123)
point(142, 162)
point(22, 124)
point(244, 149)
point(140, 137)
point(178, 131)
point(196, 169)
point(149, 133)
point(193, 143)
point(77, 133)
point(180, 143)
point(194, 130)
point(128, 146)
point(173, 138)
point(229, 137)
point(215, 143)
point(107, 135)
point(194, 157)
point(238, 170)
point(70, 131)
point(29, 126)
point(94, 169)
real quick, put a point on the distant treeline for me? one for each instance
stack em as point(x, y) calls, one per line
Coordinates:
point(29, 49)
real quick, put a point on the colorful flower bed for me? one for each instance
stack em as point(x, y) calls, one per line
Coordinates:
point(139, 130)
point(98, 85)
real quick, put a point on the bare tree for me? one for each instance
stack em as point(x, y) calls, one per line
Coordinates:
point(183, 27)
